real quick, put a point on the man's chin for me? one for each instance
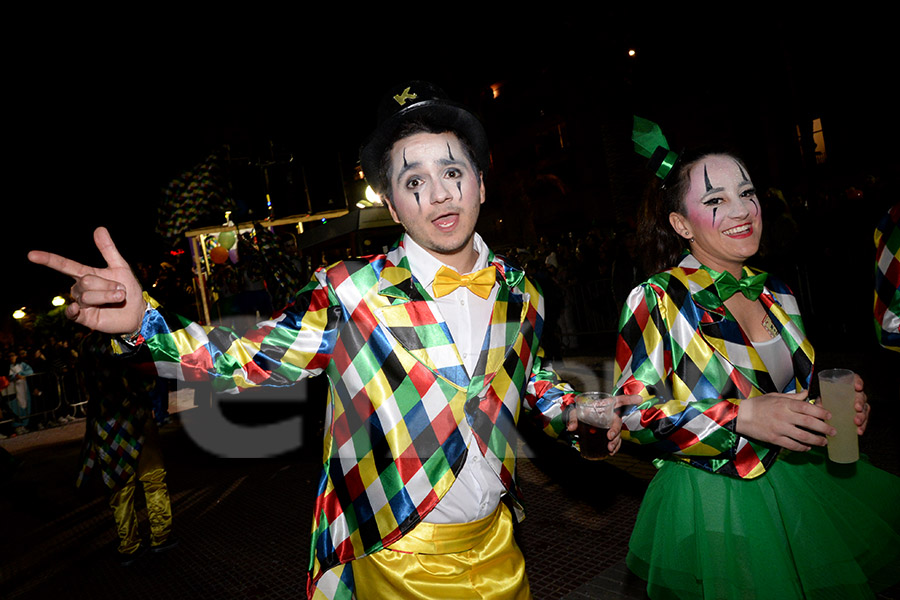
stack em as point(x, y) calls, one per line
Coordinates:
point(452, 249)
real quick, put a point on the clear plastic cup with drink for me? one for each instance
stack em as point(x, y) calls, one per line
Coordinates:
point(595, 414)
point(838, 392)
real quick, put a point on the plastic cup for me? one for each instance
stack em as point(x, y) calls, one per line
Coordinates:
point(838, 393)
point(595, 414)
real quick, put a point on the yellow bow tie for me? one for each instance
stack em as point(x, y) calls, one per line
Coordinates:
point(479, 282)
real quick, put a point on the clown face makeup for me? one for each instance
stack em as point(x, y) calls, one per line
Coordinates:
point(721, 214)
point(436, 194)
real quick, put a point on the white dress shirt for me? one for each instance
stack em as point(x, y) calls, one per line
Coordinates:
point(777, 358)
point(477, 489)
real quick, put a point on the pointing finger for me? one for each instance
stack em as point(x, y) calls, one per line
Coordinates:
point(59, 263)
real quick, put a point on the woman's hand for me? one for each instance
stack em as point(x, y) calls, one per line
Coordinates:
point(860, 405)
point(615, 429)
point(863, 409)
point(107, 299)
point(787, 420)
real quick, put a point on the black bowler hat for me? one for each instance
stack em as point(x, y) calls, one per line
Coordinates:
point(426, 101)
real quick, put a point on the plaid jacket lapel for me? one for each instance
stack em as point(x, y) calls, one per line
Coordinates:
point(785, 313)
point(494, 392)
point(494, 397)
point(721, 331)
point(507, 320)
point(415, 321)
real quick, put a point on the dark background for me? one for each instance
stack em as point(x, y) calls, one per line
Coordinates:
point(104, 109)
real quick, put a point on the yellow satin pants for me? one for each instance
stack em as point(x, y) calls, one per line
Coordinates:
point(466, 560)
point(152, 475)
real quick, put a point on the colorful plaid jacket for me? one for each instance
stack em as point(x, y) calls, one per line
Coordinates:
point(681, 349)
point(887, 280)
point(402, 407)
point(117, 410)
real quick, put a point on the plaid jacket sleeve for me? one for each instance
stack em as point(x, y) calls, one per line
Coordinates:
point(546, 397)
point(294, 344)
point(887, 280)
point(682, 413)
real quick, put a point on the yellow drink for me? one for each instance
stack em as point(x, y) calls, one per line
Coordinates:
point(836, 386)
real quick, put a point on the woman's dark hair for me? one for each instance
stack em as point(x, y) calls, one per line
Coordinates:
point(661, 247)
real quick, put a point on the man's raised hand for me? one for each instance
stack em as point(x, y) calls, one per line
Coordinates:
point(105, 299)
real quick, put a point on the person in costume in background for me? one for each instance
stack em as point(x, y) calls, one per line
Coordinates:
point(887, 280)
point(432, 352)
point(19, 371)
point(742, 505)
point(121, 441)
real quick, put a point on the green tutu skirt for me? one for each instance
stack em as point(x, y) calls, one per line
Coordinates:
point(805, 529)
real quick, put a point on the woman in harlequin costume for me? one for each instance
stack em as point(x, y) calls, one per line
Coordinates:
point(743, 505)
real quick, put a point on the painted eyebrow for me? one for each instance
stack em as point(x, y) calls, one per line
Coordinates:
point(743, 174)
point(408, 166)
point(706, 179)
point(709, 188)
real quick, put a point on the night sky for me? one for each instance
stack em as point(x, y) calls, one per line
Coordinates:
point(103, 116)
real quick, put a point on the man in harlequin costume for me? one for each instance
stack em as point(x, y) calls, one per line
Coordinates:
point(887, 279)
point(121, 442)
point(432, 351)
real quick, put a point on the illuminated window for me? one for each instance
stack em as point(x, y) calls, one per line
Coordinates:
point(818, 137)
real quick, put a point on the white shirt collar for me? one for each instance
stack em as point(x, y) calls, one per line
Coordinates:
point(425, 265)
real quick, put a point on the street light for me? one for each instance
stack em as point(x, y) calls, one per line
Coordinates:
point(19, 314)
point(371, 199)
point(58, 301)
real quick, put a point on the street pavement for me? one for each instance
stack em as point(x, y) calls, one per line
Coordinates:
point(244, 523)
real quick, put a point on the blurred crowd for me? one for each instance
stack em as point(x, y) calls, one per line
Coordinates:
point(42, 386)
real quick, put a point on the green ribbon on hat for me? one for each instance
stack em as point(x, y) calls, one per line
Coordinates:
point(649, 141)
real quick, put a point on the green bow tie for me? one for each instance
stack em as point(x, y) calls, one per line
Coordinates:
point(727, 285)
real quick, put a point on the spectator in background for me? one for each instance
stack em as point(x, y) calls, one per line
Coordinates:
point(21, 403)
point(887, 280)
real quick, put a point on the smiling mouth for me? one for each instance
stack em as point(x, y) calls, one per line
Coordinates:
point(739, 231)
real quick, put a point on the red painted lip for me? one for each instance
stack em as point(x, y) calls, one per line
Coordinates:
point(740, 236)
